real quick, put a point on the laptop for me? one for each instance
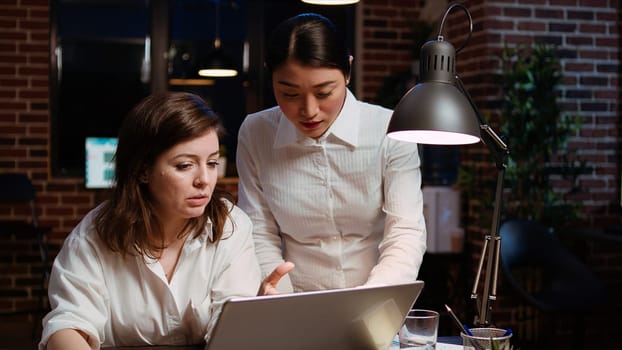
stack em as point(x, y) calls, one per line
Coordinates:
point(353, 318)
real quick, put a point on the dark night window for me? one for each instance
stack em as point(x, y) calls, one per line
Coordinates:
point(97, 74)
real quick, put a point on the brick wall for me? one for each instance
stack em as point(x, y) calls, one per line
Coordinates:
point(588, 34)
point(25, 137)
point(25, 144)
point(387, 37)
point(587, 29)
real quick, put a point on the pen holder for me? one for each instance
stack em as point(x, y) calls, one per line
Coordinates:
point(484, 338)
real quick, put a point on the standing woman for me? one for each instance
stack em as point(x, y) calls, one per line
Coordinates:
point(154, 264)
point(324, 186)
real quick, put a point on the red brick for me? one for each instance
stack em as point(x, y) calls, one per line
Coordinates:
point(517, 12)
point(8, 23)
point(593, 3)
point(35, 3)
point(592, 28)
point(32, 48)
point(17, 36)
point(34, 25)
point(4, 70)
point(531, 26)
point(13, 12)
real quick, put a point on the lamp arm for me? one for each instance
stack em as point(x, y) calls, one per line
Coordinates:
point(492, 245)
point(466, 11)
point(494, 143)
point(490, 254)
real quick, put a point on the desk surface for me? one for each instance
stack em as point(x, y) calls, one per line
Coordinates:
point(439, 346)
point(158, 347)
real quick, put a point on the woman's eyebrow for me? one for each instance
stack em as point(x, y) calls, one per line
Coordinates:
point(318, 85)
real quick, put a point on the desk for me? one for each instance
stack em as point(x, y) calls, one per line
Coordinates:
point(158, 347)
point(439, 346)
point(444, 346)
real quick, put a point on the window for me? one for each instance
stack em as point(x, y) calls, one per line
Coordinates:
point(101, 62)
point(96, 73)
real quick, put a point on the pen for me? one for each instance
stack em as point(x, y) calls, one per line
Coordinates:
point(462, 326)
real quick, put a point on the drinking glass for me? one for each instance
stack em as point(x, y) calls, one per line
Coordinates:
point(487, 339)
point(420, 330)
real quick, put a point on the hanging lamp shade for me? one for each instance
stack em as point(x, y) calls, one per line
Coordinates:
point(330, 2)
point(217, 64)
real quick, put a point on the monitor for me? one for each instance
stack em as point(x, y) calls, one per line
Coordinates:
point(99, 162)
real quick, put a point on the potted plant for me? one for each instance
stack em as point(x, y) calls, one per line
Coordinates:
point(537, 133)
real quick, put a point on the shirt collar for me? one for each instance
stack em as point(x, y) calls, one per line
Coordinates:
point(345, 127)
point(192, 243)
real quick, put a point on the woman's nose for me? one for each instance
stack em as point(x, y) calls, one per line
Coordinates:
point(202, 177)
point(309, 107)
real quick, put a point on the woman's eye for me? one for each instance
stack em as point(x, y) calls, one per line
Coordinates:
point(324, 94)
point(290, 95)
point(183, 166)
point(212, 163)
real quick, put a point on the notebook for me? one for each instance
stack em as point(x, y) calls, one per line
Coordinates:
point(352, 318)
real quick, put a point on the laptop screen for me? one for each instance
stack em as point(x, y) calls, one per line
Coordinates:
point(345, 319)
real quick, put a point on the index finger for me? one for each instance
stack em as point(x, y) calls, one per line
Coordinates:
point(280, 271)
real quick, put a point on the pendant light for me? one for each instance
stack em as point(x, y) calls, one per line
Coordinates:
point(330, 2)
point(217, 64)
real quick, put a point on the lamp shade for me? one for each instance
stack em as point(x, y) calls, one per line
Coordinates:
point(330, 2)
point(218, 64)
point(435, 111)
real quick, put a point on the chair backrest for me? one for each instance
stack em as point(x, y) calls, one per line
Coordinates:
point(526, 242)
point(541, 269)
point(17, 188)
point(18, 193)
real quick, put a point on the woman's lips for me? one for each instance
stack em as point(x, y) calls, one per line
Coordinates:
point(310, 125)
point(198, 201)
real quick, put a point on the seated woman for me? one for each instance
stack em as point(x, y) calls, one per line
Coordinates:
point(154, 263)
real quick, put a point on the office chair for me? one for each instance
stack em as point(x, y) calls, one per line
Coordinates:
point(564, 284)
point(17, 197)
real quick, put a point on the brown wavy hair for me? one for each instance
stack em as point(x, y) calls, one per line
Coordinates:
point(127, 222)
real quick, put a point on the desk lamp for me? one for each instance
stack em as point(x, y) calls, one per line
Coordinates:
point(438, 110)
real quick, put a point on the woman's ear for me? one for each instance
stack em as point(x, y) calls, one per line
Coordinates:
point(143, 178)
point(350, 59)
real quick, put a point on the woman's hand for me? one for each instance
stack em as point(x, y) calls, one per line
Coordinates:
point(268, 286)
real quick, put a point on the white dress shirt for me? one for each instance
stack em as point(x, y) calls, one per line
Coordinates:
point(347, 208)
point(129, 302)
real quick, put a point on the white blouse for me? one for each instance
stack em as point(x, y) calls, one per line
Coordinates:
point(347, 208)
point(128, 301)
